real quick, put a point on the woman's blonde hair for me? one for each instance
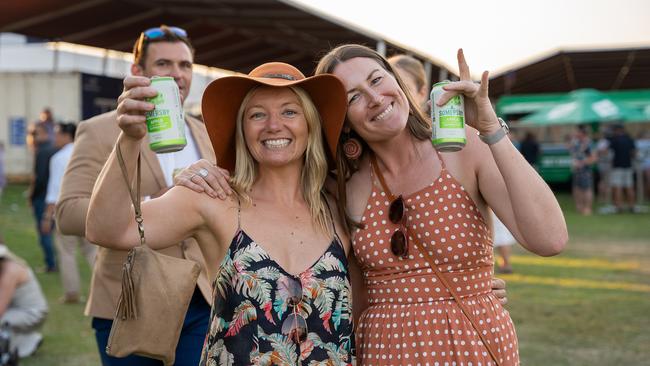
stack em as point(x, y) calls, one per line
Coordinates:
point(314, 170)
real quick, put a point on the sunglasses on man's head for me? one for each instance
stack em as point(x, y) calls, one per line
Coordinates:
point(157, 32)
point(396, 215)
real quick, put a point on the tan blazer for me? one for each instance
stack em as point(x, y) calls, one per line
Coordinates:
point(93, 144)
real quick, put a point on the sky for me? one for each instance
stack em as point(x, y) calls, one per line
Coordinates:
point(497, 35)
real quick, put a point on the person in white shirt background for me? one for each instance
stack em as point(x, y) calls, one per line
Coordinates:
point(66, 245)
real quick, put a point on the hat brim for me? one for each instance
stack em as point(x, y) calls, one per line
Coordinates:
point(222, 99)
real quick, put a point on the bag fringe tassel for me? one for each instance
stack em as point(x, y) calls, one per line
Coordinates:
point(126, 308)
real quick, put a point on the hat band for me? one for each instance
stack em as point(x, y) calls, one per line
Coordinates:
point(279, 76)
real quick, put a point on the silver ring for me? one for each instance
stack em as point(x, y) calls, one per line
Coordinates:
point(203, 173)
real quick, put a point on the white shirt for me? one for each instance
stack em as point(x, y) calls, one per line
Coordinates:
point(172, 163)
point(58, 162)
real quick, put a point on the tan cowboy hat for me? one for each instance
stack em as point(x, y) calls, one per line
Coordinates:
point(223, 97)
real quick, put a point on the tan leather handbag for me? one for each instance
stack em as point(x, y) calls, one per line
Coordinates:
point(156, 292)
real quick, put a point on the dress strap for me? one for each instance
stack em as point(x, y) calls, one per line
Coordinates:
point(238, 214)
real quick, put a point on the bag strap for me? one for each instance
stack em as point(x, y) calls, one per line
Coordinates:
point(126, 305)
point(432, 263)
point(135, 197)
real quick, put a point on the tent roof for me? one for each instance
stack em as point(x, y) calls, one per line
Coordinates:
point(230, 34)
point(569, 70)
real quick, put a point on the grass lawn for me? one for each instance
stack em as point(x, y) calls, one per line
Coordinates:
point(591, 304)
point(588, 306)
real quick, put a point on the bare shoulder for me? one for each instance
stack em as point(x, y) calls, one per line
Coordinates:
point(358, 188)
point(202, 201)
point(464, 164)
point(475, 148)
point(467, 159)
point(212, 218)
point(362, 175)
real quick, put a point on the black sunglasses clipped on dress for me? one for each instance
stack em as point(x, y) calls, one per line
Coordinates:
point(396, 215)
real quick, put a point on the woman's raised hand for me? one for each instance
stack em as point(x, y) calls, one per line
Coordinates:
point(478, 108)
point(131, 106)
point(203, 176)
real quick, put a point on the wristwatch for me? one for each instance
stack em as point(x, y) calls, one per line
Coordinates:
point(498, 135)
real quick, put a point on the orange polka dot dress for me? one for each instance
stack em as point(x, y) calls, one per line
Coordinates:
point(412, 319)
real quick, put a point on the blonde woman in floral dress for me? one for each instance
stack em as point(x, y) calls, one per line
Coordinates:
point(276, 250)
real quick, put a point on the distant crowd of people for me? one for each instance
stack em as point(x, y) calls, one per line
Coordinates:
point(612, 155)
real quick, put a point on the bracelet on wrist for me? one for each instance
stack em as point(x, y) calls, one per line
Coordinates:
point(497, 135)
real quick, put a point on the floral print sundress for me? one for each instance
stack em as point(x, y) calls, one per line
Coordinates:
point(250, 307)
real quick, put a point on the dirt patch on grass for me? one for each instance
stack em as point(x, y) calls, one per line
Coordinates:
point(628, 250)
point(610, 248)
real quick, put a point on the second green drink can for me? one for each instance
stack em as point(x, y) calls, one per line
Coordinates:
point(448, 121)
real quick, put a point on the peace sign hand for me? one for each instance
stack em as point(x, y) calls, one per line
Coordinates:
point(478, 108)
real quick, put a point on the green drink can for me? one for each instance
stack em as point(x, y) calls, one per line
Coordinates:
point(448, 121)
point(165, 123)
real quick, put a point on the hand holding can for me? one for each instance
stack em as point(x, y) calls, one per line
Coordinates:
point(448, 120)
point(132, 107)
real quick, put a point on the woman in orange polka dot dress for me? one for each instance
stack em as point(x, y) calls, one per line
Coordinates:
point(418, 209)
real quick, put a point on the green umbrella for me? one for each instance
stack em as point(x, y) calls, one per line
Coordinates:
point(584, 106)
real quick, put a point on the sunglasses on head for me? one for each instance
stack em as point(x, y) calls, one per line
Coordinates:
point(157, 32)
point(399, 241)
point(295, 325)
point(153, 34)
